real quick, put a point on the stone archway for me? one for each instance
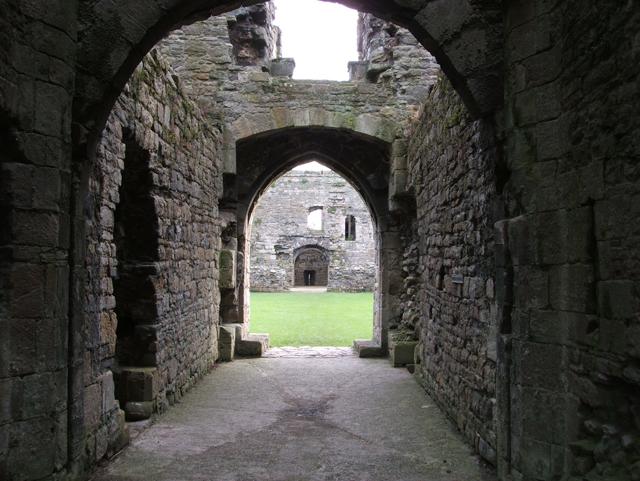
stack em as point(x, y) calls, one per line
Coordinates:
point(554, 136)
point(116, 37)
point(361, 159)
point(311, 267)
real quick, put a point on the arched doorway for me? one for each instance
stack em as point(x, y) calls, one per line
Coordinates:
point(124, 67)
point(362, 160)
point(311, 267)
point(299, 269)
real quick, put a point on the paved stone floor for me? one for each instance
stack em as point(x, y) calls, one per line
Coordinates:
point(300, 419)
point(315, 289)
point(308, 351)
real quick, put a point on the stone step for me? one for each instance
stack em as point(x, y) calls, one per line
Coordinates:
point(368, 348)
point(138, 411)
point(254, 345)
point(227, 342)
point(402, 348)
point(138, 384)
point(401, 354)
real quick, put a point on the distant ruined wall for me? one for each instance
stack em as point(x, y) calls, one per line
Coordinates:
point(391, 56)
point(157, 123)
point(254, 37)
point(279, 229)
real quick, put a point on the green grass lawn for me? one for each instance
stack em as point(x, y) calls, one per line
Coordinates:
point(312, 319)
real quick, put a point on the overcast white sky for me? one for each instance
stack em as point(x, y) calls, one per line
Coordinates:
point(320, 36)
point(312, 166)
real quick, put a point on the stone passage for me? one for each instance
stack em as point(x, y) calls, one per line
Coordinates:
point(312, 228)
point(344, 419)
point(505, 193)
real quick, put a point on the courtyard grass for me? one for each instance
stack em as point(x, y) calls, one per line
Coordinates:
point(312, 318)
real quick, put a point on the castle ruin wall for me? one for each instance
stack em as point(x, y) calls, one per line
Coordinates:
point(157, 129)
point(280, 230)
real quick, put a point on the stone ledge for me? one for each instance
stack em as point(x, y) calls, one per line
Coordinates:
point(254, 345)
point(401, 354)
point(402, 349)
point(366, 348)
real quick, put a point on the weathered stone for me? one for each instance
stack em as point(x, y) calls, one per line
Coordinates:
point(254, 345)
point(138, 411)
point(281, 237)
point(401, 353)
point(282, 67)
point(616, 299)
point(227, 343)
point(366, 349)
point(448, 264)
point(138, 383)
point(162, 268)
point(227, 266)
point(553, 83)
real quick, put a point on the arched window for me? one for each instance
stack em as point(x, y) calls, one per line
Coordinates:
point(350, 228)
point(314, 219)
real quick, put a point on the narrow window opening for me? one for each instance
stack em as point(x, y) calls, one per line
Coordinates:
point(350, 228)
point(314, 219)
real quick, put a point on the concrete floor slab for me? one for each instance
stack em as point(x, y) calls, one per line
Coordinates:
point(298, 419)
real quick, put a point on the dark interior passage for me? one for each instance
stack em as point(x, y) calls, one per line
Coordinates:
point(311, 268)
point(136, 307)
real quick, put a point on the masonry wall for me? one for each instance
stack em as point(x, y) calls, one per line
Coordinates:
point(251, 99)
point(569, 318)
point(392, 56)
point(242, 92)
point(37, 65)
point(449, 264)
point(572, 70)
point(183, 153)
point(604, 158)
point(279, 230)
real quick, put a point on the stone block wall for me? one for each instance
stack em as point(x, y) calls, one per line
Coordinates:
point(154, 118)
point(566, 275)
point(279, 229)
point(449, 269)
point(573, 159)
point(203, 56)
point(37, 70)
point(411, 297)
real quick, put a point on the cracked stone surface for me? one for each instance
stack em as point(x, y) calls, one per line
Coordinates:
point(301, 419)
